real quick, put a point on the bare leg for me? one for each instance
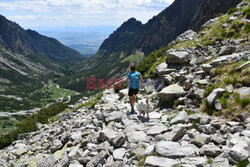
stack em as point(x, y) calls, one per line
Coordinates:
point(131, 101)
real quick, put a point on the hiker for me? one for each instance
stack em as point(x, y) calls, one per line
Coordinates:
point(133, 77)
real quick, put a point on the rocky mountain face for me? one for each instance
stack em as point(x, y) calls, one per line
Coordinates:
point(158, 32)
point(177, 135)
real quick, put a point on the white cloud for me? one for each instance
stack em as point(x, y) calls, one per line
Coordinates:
point(82, 12)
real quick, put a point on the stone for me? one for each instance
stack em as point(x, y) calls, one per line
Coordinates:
point(155, 115)
point(230, 88)
point(20, 149)
point(178, 57)
point(176, 134)
point(118, 154)
point(187, 35)
point(224, 129)
point(123, 93)
point(171, 93)
point(160, 69)
point(206, 67)
point(226, 50)
point(244, 91)
point(194, 118)
point(207, 129)
point(181, 118)
point(108, 107)
point(217, 139)
point(137, 136)
point(107, 135)
point(115, 116)
point(225, 25)
point(168, 78)
point(210, 150)
point(222, 60)
point(118, 141)
point(217, 105)
point(232, 18)
point(239, 151)
point(194, 161)
point(160, 162)
point(149, 150)
point(210, 22)
point(49, 161)
point(115, 164)
point(73, 153)
point(157, 129)
point(214, 94)
point(76, 136)
point(220, 162)
point(99, 159)
point(200, 139)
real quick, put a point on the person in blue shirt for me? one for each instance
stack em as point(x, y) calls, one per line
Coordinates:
point(134, 86)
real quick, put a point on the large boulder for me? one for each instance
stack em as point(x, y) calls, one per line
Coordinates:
point(222, 60)
point(214, 94)
point(137, 136)
point(226, 50)
point(171, 93)
point(210, 150)
point(160, 161)
point(178, 57)
point(187, 35)
point(157, 129)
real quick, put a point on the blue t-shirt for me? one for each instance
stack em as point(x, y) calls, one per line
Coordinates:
point(134, 79)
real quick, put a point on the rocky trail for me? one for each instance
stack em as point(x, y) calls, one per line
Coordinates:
point(172, 137)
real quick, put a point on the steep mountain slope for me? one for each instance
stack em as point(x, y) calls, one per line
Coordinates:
point(16, 39)
point(133, 36)
point(27, 61)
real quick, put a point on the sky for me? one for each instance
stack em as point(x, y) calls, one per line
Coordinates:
point(79, 13)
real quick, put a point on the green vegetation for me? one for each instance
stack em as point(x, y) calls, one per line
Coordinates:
point(29, 124)
point(232, 104)
point(209, 161)
point(93, 101)
point(242, 163)
point(231, 11)
point(246, 13)
point(148, 65)
point(141, 160)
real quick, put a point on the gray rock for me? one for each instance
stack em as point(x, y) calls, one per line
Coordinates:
point(157, 129)
point(181, 118)
point(220, 162)
point(194, 118)
point(137, 136)
point(171, 93)
point(176, 134)
point(214, 94)
point(73, 153)
point(210, 150)
point(168, 78)
point(244, 91)
point(239, 151)
point(118, 154)
point(226, 50)
point(194, 161)
point(123, 93)
point(149, 150)
point(207, 129)
point(107, 135)
point(206, 67)
point(174, 150)
point(187, 35)
point(199, 93)
point(47, 162)
point(217, 105)
point(99, 159)
point(160, 162)
point(225, 25)
point(222, 60)
point(209, 22)
point(115, 164)
point(230, 88)
point(114, 116)
point(217, 139)
point(224, 129)
point(178, 57)
point(200, 139)
point(118, 141)
point(232, 18)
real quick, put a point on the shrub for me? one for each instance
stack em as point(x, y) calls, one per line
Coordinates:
point(247, 27)
point(243, 163)
point(231, 11)
point(209, 161)
point(246, 13)
point(29, 124)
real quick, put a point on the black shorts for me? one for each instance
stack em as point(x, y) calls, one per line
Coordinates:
point(132, 92)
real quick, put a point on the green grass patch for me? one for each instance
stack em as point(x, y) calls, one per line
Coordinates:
point(242, 163)
point(29, 124)
point(209, 161)
point(231, 11)
point(246, 13)
point(93, 101)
